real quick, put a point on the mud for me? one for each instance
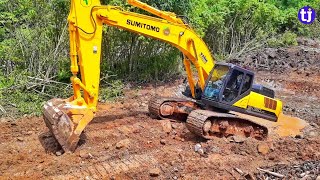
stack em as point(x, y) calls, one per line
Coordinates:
point(124, 142)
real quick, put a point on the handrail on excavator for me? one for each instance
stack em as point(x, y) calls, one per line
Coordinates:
point(169, 16)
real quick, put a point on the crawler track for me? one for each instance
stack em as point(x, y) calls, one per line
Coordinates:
point(175, 108)
point(208, 124)
point(155, 104)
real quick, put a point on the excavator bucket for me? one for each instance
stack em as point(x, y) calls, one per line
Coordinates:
point(66, 122)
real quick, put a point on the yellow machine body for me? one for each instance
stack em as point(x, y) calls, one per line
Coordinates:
point(261, 102)
point(67, 118)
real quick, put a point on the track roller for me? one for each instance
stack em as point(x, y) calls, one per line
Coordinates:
point(209, 124)
point(172, 108)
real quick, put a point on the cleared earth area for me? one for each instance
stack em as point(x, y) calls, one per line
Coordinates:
point(124, 142)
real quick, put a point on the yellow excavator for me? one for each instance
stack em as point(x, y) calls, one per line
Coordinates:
point(224, 101)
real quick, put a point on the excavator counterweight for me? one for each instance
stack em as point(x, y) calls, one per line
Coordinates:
point(224, 101)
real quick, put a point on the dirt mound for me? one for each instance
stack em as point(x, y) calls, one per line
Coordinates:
point(302, 59)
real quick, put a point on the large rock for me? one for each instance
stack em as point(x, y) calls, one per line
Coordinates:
point(238, 139)
point(263, 148)
point(174, 126)
point(163, 141)
point(166, 126)
point(197, 147)
point(125, 130)
point(271, 53)
point(154, 172)
point(123, 144)
point(84, 154)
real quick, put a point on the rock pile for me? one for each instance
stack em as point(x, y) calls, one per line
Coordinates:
point(300, 58)
point(306, 170)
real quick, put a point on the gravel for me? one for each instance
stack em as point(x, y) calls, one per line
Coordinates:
point(302, 170)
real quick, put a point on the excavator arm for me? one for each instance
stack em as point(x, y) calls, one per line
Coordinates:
point(175, 33)
point(67, 118)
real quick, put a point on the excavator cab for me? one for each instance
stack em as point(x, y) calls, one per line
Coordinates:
point(229, 88)
point(228, 83)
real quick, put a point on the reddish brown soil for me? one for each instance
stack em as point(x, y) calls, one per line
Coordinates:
point(28, 151)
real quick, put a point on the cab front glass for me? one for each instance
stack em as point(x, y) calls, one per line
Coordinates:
point(215, 84)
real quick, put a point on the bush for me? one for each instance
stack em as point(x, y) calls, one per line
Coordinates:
point(21, 94)
point(15, 97)
point(111, 91)
point(232, 27)
point(284, 40)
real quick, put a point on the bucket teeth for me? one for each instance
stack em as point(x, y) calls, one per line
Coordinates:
point(60, 124)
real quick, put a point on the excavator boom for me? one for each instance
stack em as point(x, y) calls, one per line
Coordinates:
point(67, 118)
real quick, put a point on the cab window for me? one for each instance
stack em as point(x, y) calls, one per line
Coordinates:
point(247, 83)
point(215, 83)
point(232, 89)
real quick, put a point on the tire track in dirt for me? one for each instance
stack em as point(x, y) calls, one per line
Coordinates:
point(111, 168)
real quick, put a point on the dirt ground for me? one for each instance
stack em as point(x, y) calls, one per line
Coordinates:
point(123, 142)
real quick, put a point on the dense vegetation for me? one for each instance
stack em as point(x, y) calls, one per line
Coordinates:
point(34, 60)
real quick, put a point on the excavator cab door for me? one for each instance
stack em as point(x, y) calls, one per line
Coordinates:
point(237, 86)
point(232, 86)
